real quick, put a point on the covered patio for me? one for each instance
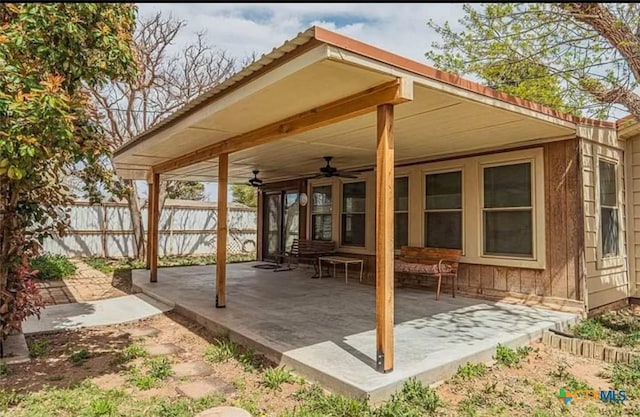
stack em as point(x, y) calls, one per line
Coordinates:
point(325, 329)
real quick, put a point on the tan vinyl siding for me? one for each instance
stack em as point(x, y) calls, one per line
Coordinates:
point(633, 148)
point(606, 280)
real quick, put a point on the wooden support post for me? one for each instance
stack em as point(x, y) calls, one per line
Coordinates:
point(221, 234)
point(154, 218)
point(384, 239)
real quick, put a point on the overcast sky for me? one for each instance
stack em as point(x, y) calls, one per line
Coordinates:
point(245, 28)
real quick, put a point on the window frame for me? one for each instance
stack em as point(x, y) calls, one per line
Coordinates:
point(341, 212)
point(407, 211)
point(609, 261)
point(311, 207)
point(462, 210)
point(535, 156)
point(530, 208)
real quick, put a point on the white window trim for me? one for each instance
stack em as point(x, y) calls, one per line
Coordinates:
point(616, 261)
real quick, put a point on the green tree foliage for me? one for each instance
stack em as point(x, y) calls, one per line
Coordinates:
point(49, 54)
point(580, 58)
point(185, 190)
point(245, 194)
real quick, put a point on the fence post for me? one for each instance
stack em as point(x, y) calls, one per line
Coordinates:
point(104, 227)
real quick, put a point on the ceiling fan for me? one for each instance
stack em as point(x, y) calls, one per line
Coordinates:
point(328, 171)
point(255, 181)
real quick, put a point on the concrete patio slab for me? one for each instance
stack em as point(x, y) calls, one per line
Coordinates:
point(94, 313)
point(224, 411)
point(325, 329)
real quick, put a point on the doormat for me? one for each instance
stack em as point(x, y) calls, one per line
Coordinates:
point(266, 266)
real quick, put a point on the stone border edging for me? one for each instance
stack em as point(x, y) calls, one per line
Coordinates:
point(588, 348)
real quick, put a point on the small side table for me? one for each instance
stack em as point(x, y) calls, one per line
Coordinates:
point(340, 260)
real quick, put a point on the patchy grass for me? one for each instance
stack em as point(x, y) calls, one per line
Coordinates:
point(87, 400)
point(131, 352)
point(619, 328)
point(509, 357)
point(152, 373)
point(590, 329)
point(52, 267)
point(626, 377)
point(4, 369)
point(220, 351)
point(79, 356)
point(472, 370)
point(273, 378)
point(111, 265)
point(569, 382)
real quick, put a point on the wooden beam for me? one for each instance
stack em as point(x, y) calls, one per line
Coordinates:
point(221, 233)
point(394, 92)
point(384, 238)
point(152, 226)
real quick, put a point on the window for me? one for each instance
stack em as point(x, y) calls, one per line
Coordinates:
point(609, 230)
point(353, 213)
point(443, 210)
point(508, 210)
point(321, 212)
point(401, 212)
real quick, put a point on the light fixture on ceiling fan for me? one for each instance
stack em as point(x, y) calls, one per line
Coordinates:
point(328, 171)
point(255, 181)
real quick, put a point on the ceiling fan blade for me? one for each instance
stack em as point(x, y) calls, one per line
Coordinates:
point(346, 175)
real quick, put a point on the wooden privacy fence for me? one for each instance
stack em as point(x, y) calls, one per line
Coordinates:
point(186, 228)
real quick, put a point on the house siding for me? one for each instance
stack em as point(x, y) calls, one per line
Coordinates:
point(633, 198)
point(605, 284)
point(562, 275)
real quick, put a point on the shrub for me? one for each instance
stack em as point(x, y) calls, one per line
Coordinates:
point(21, 299)
point(38, 348)
point(52, 267)
point(4, 369)
point(590, 329)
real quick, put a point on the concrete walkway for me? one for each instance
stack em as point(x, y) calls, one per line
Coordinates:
point(94, 313)
point(87, 284)
point(325, 329)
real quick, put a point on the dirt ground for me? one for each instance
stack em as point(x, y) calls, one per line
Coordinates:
point(102, 368)
point(525, 391)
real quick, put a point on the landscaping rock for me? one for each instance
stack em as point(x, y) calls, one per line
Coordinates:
point(210, 386)
point(187, 369)
point(160, 349)
point(224, 412)
point(141, 332)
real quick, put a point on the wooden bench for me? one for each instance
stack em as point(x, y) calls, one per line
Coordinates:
point(308, 250)
point(430, 262)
